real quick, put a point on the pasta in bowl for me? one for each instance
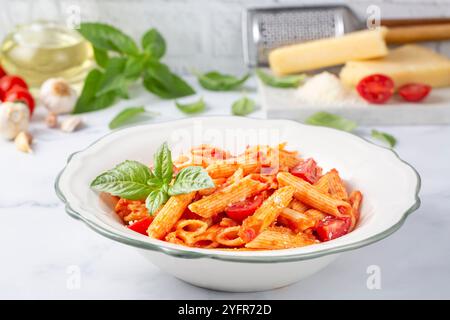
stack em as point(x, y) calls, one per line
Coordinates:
point(236, 201)
point(264, 198)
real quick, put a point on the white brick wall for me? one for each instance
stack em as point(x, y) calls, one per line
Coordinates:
point(201, 34)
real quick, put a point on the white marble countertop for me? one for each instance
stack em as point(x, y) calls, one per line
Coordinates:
point(42, 247)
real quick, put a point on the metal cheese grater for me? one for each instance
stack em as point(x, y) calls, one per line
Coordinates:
point(267, 28)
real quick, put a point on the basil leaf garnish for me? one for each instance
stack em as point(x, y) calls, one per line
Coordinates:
point(162, 164)
point(191, 179)
point(156, 199)
point(127, 180)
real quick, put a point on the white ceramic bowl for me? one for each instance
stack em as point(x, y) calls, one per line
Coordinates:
point(389, 185)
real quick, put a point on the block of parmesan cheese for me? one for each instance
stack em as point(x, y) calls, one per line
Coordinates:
point(328, 52)
point(406, 64)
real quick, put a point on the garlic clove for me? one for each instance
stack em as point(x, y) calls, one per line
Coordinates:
point(51, 120)
point(70, 124)
point(58, 96)
point(14, 118)
point(23, 142)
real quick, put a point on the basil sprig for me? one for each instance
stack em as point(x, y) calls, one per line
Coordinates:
point(135, 181)
point(121, 63)
point(216, 81)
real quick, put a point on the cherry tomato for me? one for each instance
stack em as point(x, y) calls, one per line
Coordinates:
point(414, 92)
point(8, 82)
point(2, 72)
point(2, 95)
point(331, 228)
point(142, 225)
point(240, 210)
point(308, 171)
point(20, 94)
point(376, 88)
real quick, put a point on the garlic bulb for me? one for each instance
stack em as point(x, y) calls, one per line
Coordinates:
point(58, 96)
point(14, 118)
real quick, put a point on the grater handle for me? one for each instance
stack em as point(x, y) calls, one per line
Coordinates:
point(432, 32)
point(413, 22)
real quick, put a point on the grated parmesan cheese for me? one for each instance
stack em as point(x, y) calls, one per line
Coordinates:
point(326, 89)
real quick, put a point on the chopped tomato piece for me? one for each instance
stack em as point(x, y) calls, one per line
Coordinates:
point(142, 225)
point(8, 82)
point(2, 95)
point(248, 235)
point(376, 88)
point(308, 171)
point(414, 92)
point(2, 72)
point(331, 228)
point(21, 94)
point(240, 210)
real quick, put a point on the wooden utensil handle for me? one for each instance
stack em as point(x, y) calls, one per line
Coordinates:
point(432, 32)
point(413, 22)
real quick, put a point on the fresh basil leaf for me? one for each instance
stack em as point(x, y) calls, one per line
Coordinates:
point(243, 106)
point(280, 82)
point(125, 116)
point(191, 179)
point(385, 137)
point(127, 180)
point(155, 183)
point(107, 37)
point(88, 101)
point(191, 108)
point(159, 80)
point(134, 67)
point(326, 119)
point(101, 57)
point(154, 43)
point(155, 200)
point(217, 81)
point(114, 78)
point(162, 164)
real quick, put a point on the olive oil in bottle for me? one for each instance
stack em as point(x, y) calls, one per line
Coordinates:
point(43, 50)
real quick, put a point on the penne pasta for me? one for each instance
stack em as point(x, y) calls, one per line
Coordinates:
point(189, 229)
point(265, 215)
point(272, 239)
point(311, 196)
point(168, 215)
point(336, 186)
point(229, 237)
point(225, 169)
point(322, 184)
point(355, 200)
point(218, 201)
point(265, 198)
point(298, 206)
